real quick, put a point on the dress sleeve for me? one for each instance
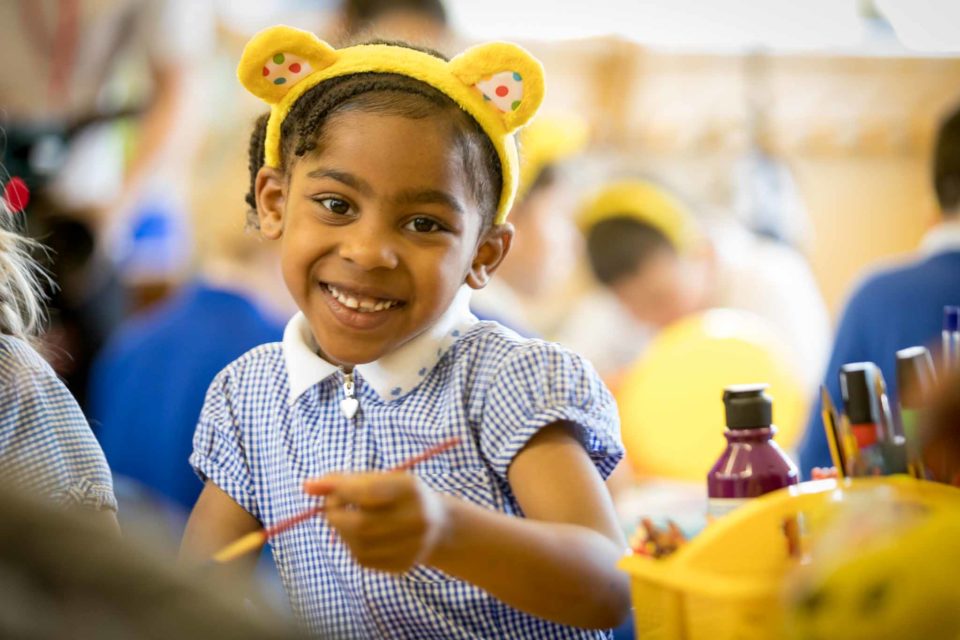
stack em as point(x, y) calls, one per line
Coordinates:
point(46, 445)
point(219, 452)
point(539, 384)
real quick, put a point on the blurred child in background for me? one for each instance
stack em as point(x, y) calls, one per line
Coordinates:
point(901, 306)
point(46, 445)
point(646, 247)
point(545, 237)
point(86, 128)
point(420, 22)
point(148, 383)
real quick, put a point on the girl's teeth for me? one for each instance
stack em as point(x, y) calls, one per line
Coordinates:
point(367, 305)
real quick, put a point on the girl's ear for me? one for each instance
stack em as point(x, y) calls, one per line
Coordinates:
point(271, 192)
point(491, 251)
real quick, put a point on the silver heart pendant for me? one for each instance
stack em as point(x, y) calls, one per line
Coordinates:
point(349, 407)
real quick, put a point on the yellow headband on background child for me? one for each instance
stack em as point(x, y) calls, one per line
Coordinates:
point(645, 202)
point(547, 140)
point(499, 84)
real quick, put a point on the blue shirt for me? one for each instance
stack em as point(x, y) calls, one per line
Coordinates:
point(46, 445)
point(891, 310)
point(148, 384)
point(273, 419)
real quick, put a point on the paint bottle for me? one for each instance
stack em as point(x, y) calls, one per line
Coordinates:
point(752, 464)
point(916, 380)
point(879, 450)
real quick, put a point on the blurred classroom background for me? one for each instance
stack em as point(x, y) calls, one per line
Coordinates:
point(803, 126)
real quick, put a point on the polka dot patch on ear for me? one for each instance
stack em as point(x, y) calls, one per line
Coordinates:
point(504, 90)
point(285, 68)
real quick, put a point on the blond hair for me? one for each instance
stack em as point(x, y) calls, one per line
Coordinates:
point(21, 279)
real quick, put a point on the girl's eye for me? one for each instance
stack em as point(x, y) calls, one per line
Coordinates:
point(335, 205)
point(423, 225)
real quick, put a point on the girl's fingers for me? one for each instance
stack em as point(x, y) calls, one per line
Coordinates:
point(365, 490)
point(321, 486)
point(373, 525)
point(398, 556)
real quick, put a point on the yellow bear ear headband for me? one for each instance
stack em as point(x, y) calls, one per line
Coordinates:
point(645, 202)
point(499, 84)
point(548, 140)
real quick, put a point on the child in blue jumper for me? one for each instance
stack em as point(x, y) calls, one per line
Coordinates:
point(386, 173)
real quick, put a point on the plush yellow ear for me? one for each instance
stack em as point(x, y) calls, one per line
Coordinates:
point(278, 58)
point(509, 78)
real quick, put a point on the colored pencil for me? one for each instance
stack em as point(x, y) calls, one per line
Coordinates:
point(834, 437)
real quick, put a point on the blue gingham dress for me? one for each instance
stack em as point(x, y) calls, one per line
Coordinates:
point(46, 446)
point(489, 387)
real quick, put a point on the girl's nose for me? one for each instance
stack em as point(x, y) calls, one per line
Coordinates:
point(368, 245)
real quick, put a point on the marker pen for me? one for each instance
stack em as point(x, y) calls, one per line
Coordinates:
point(864, 413)
point(951, 339)
point(916, 379)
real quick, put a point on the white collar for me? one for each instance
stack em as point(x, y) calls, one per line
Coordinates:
point(942, 238)
point(392, 376)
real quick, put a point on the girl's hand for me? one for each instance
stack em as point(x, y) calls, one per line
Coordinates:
point(390, 521)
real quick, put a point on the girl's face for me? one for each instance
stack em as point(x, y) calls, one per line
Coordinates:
point(378, 231)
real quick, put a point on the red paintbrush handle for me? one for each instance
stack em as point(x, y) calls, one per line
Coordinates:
point(409, 463)
point(293, 521)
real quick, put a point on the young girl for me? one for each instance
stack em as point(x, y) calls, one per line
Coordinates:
point(46, 446)
point(386, 173)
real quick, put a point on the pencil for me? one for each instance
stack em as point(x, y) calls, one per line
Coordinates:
point(256, 539)
point(833, 435)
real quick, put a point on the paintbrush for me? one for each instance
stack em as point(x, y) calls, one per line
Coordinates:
point(256, 539)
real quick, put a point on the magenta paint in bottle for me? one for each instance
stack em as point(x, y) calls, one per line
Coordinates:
point(752, 464)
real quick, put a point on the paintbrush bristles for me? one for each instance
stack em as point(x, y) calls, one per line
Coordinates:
point(246, 544)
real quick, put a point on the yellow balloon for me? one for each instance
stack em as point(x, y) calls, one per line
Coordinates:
point(671, 406)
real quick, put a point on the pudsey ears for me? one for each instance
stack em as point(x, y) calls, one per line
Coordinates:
point(282, 62)
point(279, 58)
point(509, 79)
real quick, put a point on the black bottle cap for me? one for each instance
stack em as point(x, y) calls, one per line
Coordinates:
point(748, 406)
point(951, 318)
point(916, 377)
point(858, 385)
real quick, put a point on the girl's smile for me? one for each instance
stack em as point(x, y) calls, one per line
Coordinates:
point(360, 307)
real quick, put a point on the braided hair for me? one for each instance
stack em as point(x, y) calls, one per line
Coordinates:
point(389, 94)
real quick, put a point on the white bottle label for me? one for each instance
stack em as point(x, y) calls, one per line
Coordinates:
point(719, 507)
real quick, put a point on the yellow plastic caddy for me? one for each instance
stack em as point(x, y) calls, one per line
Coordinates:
point(727, 583)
